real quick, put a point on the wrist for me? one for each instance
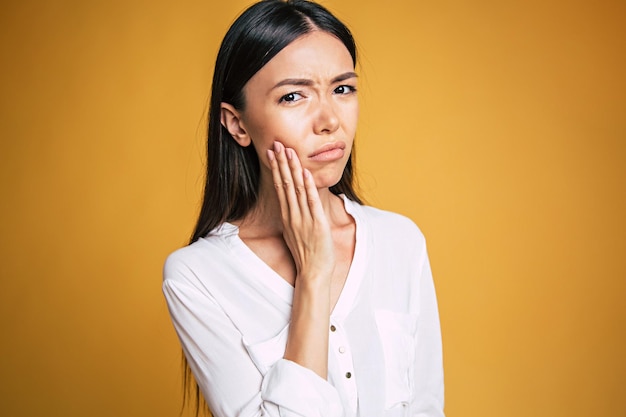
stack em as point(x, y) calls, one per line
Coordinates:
point(313, 282)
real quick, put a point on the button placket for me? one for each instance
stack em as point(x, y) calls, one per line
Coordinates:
point(340, 346)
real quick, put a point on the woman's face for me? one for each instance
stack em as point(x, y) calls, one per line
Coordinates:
point(305, 97)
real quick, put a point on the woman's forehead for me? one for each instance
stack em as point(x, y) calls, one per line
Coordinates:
point(317, 56)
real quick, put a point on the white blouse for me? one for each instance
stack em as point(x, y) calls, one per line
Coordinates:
point(231, 312)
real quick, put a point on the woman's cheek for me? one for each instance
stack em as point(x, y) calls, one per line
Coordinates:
point(292, 136)
point(292, 128)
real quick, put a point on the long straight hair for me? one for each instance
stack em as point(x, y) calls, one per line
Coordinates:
point(262, 31)
point(233, 172)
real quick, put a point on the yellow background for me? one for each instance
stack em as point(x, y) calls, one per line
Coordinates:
point(498, 126)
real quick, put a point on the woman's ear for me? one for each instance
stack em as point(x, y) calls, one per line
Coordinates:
point(231, 120)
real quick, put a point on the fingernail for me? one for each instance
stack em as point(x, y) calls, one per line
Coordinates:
point(289, 153)
point(270, 155)
point(307, 173)
point(276, 147)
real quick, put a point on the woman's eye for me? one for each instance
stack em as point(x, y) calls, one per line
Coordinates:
point(290, 98)
point(345, 89)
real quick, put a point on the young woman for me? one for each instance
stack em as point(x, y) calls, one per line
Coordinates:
point(293, 299)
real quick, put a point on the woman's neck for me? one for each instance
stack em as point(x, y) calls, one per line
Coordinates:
point(265, 217)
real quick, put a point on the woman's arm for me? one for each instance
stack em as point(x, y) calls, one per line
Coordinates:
point(229, 377)
point(308, 236)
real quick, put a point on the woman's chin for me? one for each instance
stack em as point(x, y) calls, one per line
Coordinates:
point(325, 180)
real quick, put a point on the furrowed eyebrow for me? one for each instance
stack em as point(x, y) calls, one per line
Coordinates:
point(294, 81)
point(344, 77)
point(307, 83)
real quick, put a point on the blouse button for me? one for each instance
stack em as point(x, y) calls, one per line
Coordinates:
point(342, 349)
point(348, 375)
point(332, 328)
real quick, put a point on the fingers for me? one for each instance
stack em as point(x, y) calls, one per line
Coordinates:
point(295, 193)
point(293, 182)
point(311, 196)
point(302, 192)
point(279, 184)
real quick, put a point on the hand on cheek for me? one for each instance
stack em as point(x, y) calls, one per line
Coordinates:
point(306, 229)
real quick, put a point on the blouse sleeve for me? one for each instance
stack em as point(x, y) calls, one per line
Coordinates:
point(428, 400)
point(226, 374)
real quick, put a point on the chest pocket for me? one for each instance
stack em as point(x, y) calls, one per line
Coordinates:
point(397, 338)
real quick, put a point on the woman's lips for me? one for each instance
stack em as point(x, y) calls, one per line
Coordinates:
point(329, 152)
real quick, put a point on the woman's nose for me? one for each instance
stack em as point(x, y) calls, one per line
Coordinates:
point(327, 120)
